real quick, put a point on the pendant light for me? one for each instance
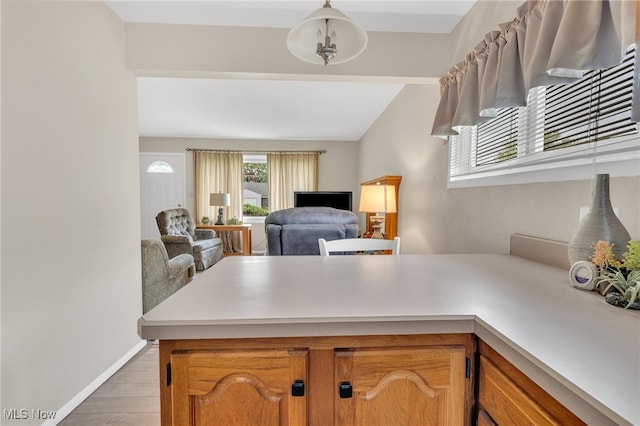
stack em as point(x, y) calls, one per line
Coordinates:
point(327, 36)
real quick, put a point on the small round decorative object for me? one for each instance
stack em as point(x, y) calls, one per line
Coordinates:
point(583, 275)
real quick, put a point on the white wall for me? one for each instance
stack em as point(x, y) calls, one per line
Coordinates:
point(71, 291)
point(434, 219)
point(337, 167)
point(1, 405)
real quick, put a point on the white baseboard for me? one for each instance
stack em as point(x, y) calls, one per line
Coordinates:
point(94, 385)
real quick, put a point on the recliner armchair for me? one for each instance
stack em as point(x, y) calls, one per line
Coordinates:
point(161, 276)
point(179, 234)
point(296, 231)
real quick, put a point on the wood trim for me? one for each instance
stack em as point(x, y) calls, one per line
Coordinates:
point(321, 377)
point(391, 219)
point(485, 419)
point(527, 386)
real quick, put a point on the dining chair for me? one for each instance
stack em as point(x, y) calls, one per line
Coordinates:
point(358, 244)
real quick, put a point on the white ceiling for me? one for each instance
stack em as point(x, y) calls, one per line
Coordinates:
point(274, 109)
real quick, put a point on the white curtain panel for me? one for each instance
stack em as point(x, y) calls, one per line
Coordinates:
point(218, 172)
point(490, 60)
point(290, 172)
point(548, 42)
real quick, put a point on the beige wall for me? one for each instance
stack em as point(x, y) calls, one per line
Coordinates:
point(337, 166)
point(484, 16)
point(1, 316)
point(71, 291)
point(69, 168)
point(159, 49)
point(434, 219)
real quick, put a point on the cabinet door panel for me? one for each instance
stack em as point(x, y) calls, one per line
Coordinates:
point(404, 386)
point(507, 403)
point(249, 387)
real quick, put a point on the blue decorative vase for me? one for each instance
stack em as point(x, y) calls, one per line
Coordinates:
point(601, 223)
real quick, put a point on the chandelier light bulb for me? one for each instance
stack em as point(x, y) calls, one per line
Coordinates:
point(327, 51)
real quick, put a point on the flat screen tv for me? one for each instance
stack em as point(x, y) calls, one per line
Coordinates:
point(336, 199)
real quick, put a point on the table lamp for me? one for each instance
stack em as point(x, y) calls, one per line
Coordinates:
point(221, 199)
point(377, 199)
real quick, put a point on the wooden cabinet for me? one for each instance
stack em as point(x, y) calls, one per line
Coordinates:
point(352, 380)
point(484, 419)
point(404, 386)
point(348, 381)
point(507, 397)
point(239, 388)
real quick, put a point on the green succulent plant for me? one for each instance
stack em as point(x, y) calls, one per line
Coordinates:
point(628, 285)
point(632, 256)
point(622, 274)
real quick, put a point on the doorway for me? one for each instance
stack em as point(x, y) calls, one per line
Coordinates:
point(162, 187)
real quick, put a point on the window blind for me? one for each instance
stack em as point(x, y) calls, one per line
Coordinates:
point(595, 108)
point(498, 138)
point(559, 123)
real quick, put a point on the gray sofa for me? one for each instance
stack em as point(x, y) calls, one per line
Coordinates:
point(295, 231)
point(179, 234)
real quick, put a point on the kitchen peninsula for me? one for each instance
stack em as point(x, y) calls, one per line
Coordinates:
point(351, 313)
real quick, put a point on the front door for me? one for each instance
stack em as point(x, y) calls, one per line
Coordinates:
point(162, 186)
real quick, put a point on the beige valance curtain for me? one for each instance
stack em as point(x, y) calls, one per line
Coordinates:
point(219, 172)
point(289, 172)
point(548, 42)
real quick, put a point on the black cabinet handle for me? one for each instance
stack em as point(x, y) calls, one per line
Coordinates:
point(297, 388)
point(345, 389)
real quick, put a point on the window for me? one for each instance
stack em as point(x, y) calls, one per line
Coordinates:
point(255, 199)
point(498, 139)
point(562, 132)
point(159, 167)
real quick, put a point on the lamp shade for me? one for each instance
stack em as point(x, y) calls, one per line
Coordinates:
point(220, 199)
point(350, 38)
point(378, 199)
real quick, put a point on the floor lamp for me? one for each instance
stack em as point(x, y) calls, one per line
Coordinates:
point(222, 200)
point(377, 199)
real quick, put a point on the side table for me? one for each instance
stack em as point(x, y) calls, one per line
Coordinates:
point(246, 236)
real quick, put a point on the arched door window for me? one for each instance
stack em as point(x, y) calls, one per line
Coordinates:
point(159, 167)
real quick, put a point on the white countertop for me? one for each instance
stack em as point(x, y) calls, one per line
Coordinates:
point(583, 351)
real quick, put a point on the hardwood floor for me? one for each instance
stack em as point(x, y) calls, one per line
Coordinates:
point(129, 397)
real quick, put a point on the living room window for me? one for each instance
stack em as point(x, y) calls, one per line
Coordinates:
point(257, 182)
point(563, 133)
point(255, 190)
